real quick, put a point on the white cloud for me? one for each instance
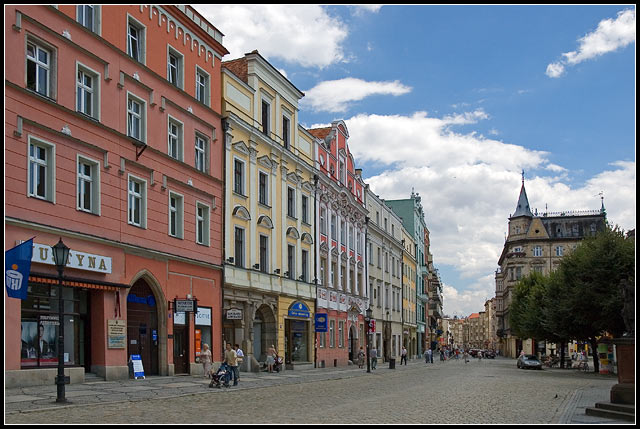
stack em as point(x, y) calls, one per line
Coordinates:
point(608, 37)
point(361, 8)
point(469, 185)
point(300, 34)
point(336, 95)
point(555, 70)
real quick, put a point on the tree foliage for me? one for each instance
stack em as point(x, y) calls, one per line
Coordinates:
point(583, 298)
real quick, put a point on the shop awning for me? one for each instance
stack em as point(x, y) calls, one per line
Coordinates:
point(49, 279)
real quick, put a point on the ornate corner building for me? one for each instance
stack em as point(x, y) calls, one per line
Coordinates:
point(536, 242)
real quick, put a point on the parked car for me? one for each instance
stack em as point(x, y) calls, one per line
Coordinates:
point(529, 361)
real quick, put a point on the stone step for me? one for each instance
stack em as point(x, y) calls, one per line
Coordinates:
point(90, 377)
point(623, 408)
point(610, 414)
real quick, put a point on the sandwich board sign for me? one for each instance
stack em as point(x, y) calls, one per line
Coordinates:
point(136, 366)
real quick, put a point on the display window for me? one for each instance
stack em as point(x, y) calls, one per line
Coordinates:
point(40, 326)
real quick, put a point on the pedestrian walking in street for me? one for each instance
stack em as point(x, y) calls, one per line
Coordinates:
point(231, 359)
point(480, 356)
point(271, 358)
point(361, 358)
point(240, 355)
point(205, 358)
point(374, 357)
point(426, 356)
point(466, 356)
point(403, 355)
point(430, 354)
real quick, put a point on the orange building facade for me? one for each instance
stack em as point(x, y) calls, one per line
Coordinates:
point(114, 143)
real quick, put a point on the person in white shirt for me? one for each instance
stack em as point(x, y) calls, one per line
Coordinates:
point(240, 355)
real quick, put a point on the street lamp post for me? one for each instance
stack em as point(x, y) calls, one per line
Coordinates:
point(60, 255)
point(367, 319)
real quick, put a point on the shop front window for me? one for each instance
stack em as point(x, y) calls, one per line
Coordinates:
point(40, 326)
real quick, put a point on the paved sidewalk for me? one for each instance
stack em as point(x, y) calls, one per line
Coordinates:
point(32, 399)
point(28, 399)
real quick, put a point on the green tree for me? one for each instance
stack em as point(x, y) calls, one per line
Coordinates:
point(528, 309)
point(584, 297)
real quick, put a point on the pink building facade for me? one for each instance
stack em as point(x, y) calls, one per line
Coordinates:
point(342, 291)
point(113, 143)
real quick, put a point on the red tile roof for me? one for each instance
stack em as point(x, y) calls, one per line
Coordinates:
point(238, 67)
point(320, 133)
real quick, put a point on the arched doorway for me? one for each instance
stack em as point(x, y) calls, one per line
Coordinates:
point(353, 343)
point(264, 332)
point(142, 326)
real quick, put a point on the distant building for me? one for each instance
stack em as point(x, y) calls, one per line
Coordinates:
point(536, 243)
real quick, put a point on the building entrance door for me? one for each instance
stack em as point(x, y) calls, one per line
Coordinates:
point(142, 326)
point(181, 349)
point(352, 344)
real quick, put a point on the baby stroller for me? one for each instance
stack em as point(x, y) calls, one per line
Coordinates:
point(222, 375)
point(277, 366)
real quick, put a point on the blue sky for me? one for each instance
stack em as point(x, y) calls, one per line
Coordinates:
point(456, 101)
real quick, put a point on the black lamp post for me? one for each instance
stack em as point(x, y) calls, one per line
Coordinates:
point(367, 319)
point(60, 256)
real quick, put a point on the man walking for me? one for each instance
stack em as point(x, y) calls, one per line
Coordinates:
point(403, 355)
point(374, 357)
point(231, 359)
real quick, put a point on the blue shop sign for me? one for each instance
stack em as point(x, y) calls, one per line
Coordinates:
point(321, 322)
point(148, 300)
point(299, 309)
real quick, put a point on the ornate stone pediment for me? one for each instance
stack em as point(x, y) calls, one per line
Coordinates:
point(241, 212)
point(265, 221)
point(307, 186)
point(306, 238)
point(293, 232)
point(241, 147)
point(324, 247)
point(293, 178)
point(266, 162)
point(344, 256)
point(334, 251)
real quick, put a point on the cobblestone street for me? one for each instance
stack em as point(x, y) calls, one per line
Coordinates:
point(487, 391)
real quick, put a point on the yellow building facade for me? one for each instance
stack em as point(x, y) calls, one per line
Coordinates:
point(269, 214)
point(410, 267)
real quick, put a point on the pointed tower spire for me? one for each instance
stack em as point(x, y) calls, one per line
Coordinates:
point(523, 202)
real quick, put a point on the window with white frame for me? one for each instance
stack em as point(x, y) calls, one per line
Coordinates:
point(238, 176)
point(39, 68)
point(286, 130)
point(266, 117)
point(175, 137)
point(264, 253)
point(137, 202)
point(291, 262)
point(136, 40)
point(343, 171)
point(333, 227)
point(263, 188)
point(88, 16)
point(175, 67)
point(239, 244)
point(176, 215)
point(202, 86)
point(332, 333)
point(291, 202)
point(136, 118)
point(88, 185)
point(559, 250)
point(323, 220)
point(305, 265)
point(341, 333)
point(202, 153)
point(202, 224)
point(537, 251)
point(87, 91)
point(41, 179)
point(305, 209)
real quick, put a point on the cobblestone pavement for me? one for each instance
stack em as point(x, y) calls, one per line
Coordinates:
point(487, 391)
